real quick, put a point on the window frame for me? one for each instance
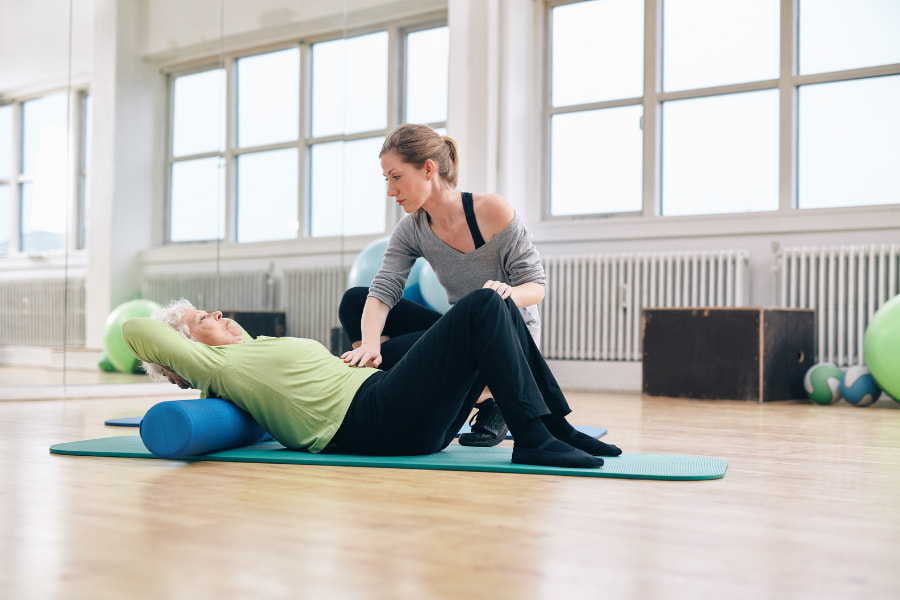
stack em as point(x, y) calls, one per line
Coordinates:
point(788, 84)
point(397, 35)
point(77, 170)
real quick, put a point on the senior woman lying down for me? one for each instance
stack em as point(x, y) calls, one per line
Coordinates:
point(309, 399)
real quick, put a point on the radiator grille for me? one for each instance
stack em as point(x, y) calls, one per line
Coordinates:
point(845, 285)
point(42, 312)
point(230, 290)
point(592, 309)
point(311, 299)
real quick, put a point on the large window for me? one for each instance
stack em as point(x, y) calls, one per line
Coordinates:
point(722, 107)
point(43, 173)
point(284, 144)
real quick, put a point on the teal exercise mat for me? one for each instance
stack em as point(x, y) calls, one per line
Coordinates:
point(455, 458)
point(597, 432)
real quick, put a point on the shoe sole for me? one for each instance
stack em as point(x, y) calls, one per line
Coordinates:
point(464, 440)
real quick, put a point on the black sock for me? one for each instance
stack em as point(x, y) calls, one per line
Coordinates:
point(531, 434)
point(554, 453)
point(591, 445)
point(559, 427)
point(562, 430)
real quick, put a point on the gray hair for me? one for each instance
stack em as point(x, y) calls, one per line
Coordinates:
point(172, 314)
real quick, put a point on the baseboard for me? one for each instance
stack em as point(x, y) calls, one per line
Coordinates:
point(80, 359)
point(595, 376)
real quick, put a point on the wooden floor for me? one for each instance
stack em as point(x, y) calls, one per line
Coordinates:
point(809, 508)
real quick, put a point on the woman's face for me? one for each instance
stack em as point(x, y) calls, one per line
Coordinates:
point(407, 185)
point(212, 329)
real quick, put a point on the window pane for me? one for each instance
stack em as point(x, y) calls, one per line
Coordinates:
point(597, 51)
point(198, 125)
point(835, 35)
point(720, 154)
point(6, 141)
point(848, 153)
point(43, 217)
point(427, 66)
point(595, 163)
point(5, 208)
point(197, 210)
point(44, 136)
point(349, 85)
point(268, 196)
point(348, 190)
point(268, 98)
point(718, 42)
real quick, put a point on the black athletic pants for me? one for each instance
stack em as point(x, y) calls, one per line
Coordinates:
point(419, 405)
point(406, 322)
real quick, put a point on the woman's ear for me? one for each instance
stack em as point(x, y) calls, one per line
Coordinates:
point(430, 169)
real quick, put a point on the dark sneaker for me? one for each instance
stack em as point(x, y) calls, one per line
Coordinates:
point(488, 426)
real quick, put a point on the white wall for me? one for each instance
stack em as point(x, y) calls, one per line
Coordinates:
point(34, 45)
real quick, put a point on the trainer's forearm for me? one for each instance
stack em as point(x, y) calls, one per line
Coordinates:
point(527, 294)
point(374, 316)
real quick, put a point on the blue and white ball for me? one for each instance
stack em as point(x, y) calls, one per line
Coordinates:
point(858, 387)
point(822, 383)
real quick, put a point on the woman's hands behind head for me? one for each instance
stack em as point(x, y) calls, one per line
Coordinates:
point(175, 378)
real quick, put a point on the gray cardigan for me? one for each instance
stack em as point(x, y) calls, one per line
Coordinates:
point(510, 257)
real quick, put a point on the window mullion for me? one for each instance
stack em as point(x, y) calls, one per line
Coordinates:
point(303, 155)
point(228, 156)
point(651, 125)
point(15, 192)
point(787, 128)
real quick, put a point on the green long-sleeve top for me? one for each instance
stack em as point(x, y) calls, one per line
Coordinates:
point(293, 387)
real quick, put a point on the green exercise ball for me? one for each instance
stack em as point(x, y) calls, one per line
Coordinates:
point(882, 346)
point(117, 351)
point(104, 364)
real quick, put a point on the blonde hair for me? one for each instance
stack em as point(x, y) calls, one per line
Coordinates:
point(172, 314)
point(415, 144)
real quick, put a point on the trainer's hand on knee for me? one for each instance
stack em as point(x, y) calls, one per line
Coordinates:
point(504, 289)
point(364, 356)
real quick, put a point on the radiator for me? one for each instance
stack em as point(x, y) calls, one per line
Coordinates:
point(42, 312)
point(311, 300)
point(593, 303)
point(228, 290)
point(845, 285)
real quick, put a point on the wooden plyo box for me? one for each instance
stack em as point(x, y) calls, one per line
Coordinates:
point(753, 353)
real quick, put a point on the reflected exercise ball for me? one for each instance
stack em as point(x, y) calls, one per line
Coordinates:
point(117, 351)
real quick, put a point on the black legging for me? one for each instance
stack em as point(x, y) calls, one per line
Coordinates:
point(418, 406)
point(406, 322)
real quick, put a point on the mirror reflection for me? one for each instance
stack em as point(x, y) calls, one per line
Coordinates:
point(150, 151)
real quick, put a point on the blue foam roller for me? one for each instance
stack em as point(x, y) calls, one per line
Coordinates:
point(178, 428)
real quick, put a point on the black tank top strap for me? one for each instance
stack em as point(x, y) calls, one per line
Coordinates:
point(469, 208)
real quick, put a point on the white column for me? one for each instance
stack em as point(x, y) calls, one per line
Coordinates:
point(123, 92)
point(473, 106)
point(495, 98)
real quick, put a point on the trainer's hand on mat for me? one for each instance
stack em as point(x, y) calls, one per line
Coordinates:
point(175, 378)
point(363, 356)
point(504, 289)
